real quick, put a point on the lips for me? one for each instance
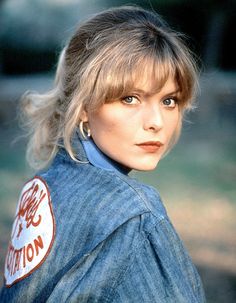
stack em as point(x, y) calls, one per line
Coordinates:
point(150, 146)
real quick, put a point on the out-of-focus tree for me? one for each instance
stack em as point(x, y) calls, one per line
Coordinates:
point(210, 24)
point(40, 24)
point(32, 31)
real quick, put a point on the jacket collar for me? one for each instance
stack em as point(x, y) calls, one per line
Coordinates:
point(87, 151)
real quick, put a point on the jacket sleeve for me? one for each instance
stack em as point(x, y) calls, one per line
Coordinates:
point(96, 275)
point(133, 265)
point(161, 271)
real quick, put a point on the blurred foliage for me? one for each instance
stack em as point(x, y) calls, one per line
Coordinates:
point(34, 31)
point(201, 171)
point(38, 24)
point(197, 188)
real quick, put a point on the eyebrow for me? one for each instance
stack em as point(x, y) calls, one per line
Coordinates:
point(148, 94)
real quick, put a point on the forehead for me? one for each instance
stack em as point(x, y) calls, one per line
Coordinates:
point(149, 85)
point(145, 73)
point(151, 72)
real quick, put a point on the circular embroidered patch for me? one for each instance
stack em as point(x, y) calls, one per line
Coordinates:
point(32, 232)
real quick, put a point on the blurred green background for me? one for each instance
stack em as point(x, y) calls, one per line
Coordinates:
point(197, 179)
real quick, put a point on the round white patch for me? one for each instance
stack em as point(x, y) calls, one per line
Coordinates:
point(32, 233)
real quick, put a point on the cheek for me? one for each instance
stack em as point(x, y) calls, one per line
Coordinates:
point(172, 132)
point(173, 123)
point(102, 124)
point(177, 131)
point(177, 122)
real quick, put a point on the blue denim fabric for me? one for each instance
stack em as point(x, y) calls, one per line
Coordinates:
point(113, 242)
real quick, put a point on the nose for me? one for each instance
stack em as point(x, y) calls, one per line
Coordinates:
point(153, 118)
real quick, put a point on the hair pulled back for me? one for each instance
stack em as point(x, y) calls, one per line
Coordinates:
point(100, 63)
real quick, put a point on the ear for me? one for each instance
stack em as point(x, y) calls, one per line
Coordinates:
point(84, 116)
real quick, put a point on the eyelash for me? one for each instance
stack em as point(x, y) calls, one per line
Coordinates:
point(124, 100)
point(171, 98)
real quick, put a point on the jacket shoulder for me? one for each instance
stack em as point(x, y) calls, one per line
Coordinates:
point(97, 202)
point(148, 196)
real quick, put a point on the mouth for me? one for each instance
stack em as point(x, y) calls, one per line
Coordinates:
point(150, 146)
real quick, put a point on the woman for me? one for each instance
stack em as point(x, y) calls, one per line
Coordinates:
point(84, 230)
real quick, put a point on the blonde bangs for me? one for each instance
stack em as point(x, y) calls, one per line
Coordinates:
point(145, 70)
point(122, 73)
point(107, 58)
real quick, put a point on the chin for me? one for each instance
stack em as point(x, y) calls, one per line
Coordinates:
point(147, 166)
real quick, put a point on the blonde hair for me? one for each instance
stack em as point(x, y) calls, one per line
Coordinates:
point(102, 62)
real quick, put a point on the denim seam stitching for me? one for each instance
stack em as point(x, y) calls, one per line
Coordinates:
point(125, 269)
point(141, 197)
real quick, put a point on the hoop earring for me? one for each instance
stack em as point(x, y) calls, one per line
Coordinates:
point(86, 133)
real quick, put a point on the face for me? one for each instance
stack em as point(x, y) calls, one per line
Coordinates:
point(135, 130)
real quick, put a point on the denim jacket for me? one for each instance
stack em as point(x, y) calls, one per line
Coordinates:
point(87, 232)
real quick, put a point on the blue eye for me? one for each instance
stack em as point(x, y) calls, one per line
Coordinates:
point(130, 100)
point(170, 102)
